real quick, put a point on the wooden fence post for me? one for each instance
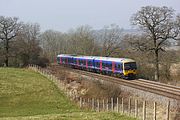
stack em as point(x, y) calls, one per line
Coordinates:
point(129, 106)
point(107, 106)
point(51, 78)
point(83, 101)
point(122, 105)
point(117, 104)
point(167, 110)
point(144, 110)
point(136, 108)
point(68, 94)
point(88, 102)
point(98, 109)
point(80, 102)
point(92, 103)
point(75, 97)
point(112, 104)
point(154, 110)
point(103, 105)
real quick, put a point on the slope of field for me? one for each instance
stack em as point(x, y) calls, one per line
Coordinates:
point(25, 94)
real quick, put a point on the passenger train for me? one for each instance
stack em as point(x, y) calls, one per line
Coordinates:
point(120, 67)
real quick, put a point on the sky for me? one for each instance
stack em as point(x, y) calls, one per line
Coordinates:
point(62, 15)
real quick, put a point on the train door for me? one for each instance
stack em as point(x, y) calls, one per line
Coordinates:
point(93, 63)
point(77, 61)
point(67, 60)
point(113, 67)
point(60, 60)
point(100, 65)
point(86, 63)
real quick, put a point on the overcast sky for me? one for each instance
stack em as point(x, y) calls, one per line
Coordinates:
point(62, 15)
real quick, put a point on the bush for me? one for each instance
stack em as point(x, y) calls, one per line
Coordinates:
point(42, 61)
point(98, 89)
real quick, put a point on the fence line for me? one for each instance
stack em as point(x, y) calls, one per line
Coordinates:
point(123, 105)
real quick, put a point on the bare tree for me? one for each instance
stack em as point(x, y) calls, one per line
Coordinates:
point(110, 37)
point(26, 45)
point(53, 42)
point(9, 28)
point(177, 23)
point(81, 41)
point(135, 46)
point(159, 26)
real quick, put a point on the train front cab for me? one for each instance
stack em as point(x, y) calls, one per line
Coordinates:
point(129, 70)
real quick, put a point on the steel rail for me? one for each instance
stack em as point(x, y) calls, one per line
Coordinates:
point(145, 85)
point(158, 89)
point(158, 83)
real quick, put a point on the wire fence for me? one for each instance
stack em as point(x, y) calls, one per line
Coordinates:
point(140, 109)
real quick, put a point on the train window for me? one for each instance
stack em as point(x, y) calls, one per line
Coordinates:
point(118, 67)
point(80, 62)
point(69, 60)
point(58, 59)
point(103, 65)
point(84, 62)
point(130, 66)
point(89, 63)
point(63, 60)
point(75, 62)
point(110, 66)
point(97, 64)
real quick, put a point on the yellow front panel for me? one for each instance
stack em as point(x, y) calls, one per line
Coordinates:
point(126, 72)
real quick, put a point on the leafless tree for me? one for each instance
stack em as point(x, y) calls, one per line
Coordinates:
point(177, 23)
point(159, 26)
point(26, 45)
point(135, 46)
point(52, 43)
point(9, 28)
point(110, 37)
point(81, 41)
point(76, 41)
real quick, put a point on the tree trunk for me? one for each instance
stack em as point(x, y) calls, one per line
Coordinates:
point(157, 65)
point(6, 61)
point(7, 53)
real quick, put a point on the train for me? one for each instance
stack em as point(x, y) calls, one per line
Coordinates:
point(120, 67)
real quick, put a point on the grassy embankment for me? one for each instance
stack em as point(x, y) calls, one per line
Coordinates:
point(25, 94)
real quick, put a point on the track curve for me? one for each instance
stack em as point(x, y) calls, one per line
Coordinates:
point(166, 90)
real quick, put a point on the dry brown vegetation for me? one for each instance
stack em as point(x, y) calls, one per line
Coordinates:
point(88, 88)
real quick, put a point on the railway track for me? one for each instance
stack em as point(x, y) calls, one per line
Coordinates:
point(166, 90)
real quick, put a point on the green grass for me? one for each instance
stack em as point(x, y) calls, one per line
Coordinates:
point(25, 94)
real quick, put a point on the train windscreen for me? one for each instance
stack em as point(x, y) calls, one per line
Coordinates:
point(130, 66)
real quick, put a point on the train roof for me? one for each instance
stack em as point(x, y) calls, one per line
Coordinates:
point(114, 59)
point(84, 57)
point(124, 60)
point(66, 55)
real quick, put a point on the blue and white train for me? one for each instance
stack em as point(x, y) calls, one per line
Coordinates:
point(121, 67)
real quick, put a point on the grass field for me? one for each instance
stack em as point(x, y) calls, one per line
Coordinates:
point(25, 94)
